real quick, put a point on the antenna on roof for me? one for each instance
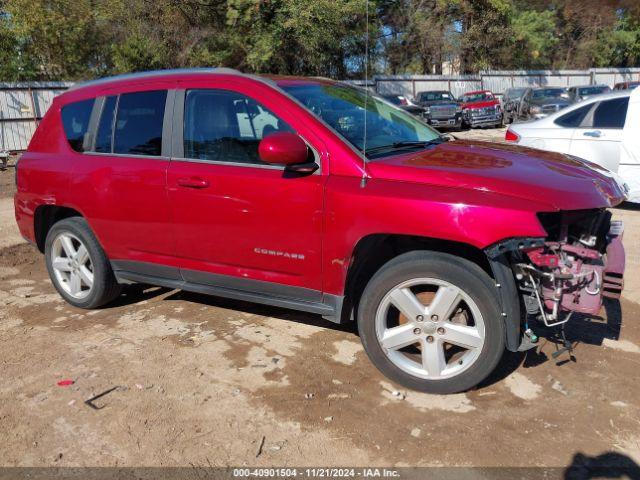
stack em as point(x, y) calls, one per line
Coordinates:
point(363, 181)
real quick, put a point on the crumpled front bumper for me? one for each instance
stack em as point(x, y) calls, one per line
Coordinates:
point(613, 274)
point(576, 278)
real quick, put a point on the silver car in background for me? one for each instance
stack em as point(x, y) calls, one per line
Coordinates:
point(602, 129)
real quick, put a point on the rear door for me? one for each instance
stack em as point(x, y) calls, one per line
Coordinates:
point(240, 223)
point(121, 180)
point(599, 138)
point(558, 136)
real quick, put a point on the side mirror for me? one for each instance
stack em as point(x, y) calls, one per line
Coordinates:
point(288, 149)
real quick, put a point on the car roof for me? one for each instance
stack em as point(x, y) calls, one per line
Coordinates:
point(602, 85)
point(478, 91)
point(549, 87)
point(190, 72)
point(602, 96)
point(433, 91)
point(152, 75)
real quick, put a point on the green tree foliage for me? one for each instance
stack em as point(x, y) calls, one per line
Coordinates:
point(71, 39)
point(52, 39)
point(76, 39)
point(535, 38)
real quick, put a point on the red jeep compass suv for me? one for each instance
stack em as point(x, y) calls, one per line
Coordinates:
point(313, 195)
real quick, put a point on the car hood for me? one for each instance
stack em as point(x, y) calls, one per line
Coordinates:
point(552, 180)
point(482, 104)
point(549, 101)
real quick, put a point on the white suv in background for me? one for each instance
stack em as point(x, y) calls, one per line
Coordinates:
point(604, 129)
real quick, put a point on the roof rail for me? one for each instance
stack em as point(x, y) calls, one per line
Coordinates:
point(154, 73)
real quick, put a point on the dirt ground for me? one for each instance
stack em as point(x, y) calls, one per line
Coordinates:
point(204, 381)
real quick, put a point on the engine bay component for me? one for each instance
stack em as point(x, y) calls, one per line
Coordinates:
point(580, 263)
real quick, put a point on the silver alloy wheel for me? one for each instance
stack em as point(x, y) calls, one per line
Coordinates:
point(429, 329)
point(72, 265)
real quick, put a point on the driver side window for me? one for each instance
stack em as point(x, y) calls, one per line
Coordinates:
point(225, 126)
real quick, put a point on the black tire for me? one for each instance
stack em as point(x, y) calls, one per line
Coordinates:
point(462, 273)
point(105, 288)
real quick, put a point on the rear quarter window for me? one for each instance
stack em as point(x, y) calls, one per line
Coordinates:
point(611, 113)
point(574, 118)
point(138, 126)
point(75, 120)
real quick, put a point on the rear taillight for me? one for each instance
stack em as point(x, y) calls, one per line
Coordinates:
point(511, 136)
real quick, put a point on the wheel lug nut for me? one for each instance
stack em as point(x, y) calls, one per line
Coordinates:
point(434, 318)
point(440, 331)
point(417, 331)
point(419, 318)
point(429, 339)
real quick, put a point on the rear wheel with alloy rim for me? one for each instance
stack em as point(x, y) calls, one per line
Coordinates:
point(429, 321)
point(72, 265)
point(77, 265)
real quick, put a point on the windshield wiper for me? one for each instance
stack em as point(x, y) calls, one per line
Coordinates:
point(405, 144)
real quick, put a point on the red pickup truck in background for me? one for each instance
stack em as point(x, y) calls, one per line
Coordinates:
point(481, 109)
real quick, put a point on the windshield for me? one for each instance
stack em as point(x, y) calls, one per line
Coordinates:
point(514, 93)
point(434, 96)
point(342, 107)
point(593, 90)
point(477, 97)
point(548, 93)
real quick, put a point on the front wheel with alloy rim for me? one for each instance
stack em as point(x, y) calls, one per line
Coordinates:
point(77, 265)
point(430, 322)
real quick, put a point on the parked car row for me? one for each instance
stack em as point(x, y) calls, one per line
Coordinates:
point(441, 109)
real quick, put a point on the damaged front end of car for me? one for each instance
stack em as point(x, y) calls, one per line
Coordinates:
point(578, 264)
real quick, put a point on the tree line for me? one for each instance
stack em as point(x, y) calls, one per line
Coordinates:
point(79, 39)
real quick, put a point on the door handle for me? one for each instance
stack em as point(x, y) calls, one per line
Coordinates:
point(593, 133)
point(193, 182)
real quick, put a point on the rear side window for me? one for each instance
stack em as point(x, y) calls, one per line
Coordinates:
point(574, 118)
point(611, 113)
point(138, 126)
point(75, 120)
point(104, 135)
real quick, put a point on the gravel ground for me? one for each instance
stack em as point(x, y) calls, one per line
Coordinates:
point(211, 382)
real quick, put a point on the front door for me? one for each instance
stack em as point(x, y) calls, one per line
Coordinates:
point(239, 222)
